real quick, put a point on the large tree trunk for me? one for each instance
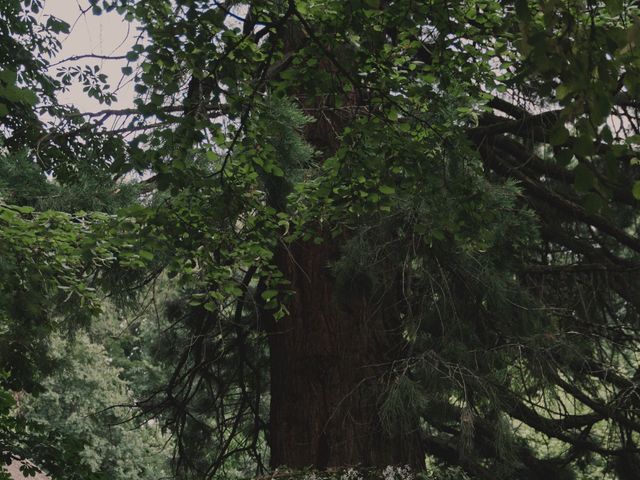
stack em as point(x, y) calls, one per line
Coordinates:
point(328, 361)
point(329, 357)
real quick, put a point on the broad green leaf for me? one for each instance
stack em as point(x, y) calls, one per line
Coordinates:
point(563, 91)
point(584, 178)
point(269, 294)
point(614, 7)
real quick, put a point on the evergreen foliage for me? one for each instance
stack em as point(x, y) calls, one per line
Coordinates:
point(83, 411)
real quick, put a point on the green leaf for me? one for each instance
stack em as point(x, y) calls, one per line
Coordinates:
point(559, 135)
point(584, 178)
point(563, 91)
point(23, 209)
point(8, 76)
point(57, 25)
point(633, 139)
point(583, 145)
point(438, 235)
point(157, 99)
point(386, 189)
point(592, 203)
point(614, 7)
point(144, 254)
point(636, 190)
point(269, 294)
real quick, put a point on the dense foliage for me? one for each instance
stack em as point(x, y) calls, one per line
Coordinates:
point(334, 234)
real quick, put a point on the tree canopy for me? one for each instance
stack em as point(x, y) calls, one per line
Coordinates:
point(369, 234)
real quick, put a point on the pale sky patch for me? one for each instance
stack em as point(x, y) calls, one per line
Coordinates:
point(106, 34)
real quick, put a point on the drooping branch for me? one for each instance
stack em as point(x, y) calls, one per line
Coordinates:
point(504, 163)
point(525, 127)
point(526, 160)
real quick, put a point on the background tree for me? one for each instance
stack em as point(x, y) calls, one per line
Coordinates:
point(82, 410)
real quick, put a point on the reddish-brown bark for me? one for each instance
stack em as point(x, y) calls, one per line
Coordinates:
point(327, 371)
